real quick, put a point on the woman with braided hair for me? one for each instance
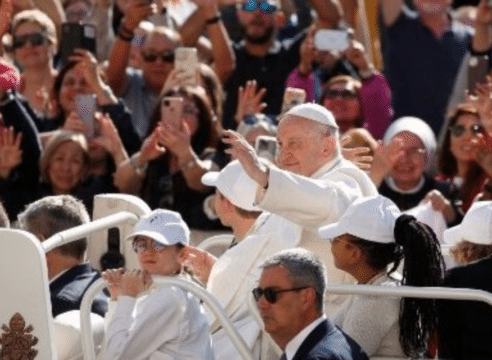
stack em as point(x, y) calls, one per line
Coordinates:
point(369, 242)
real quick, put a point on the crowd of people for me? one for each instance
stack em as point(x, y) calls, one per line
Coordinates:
point(358, 133)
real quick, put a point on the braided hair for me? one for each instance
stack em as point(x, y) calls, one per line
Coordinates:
point(423, 266)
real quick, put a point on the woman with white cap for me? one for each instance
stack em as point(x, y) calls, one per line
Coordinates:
point(148, 322)
point(403, 175)
point(369, 238)
point(465, 327)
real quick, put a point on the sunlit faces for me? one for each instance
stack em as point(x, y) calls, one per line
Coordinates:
point(156, 72)
point(342, 100)
point(432, 6)
point(166, 260)
point(463, 147)
point(67, 167)
point(303, 147)
point(409, 168)
point(281, 319)
point(73, 84)
point(31, 55)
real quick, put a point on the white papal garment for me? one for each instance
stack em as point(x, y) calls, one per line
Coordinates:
point(236, 273)
point(314, 202)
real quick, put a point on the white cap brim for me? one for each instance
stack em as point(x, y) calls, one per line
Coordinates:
point(331, 231)
point(452, 235)
point(211, 178)
point(151, 234)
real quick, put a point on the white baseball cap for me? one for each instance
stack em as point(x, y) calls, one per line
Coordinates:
point(476, 226)
point(313, 112)
point(370, 218)
point(164, 226)
point(233, 182)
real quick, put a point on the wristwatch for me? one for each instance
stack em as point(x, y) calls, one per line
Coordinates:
point(247, 124)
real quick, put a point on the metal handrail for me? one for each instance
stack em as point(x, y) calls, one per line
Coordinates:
point(202, 294)
point(412, 292)
point(83, 230)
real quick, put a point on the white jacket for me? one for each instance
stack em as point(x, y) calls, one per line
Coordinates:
point(316, 201)
point(236, 273)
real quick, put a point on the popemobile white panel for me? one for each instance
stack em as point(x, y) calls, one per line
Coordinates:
point(25, 308)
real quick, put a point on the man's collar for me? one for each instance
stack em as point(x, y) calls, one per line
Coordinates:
point(326, 167)
point(296, 342)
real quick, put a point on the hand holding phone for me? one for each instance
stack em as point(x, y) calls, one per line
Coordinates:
point(292, 97)
point(172, 111)
point(186, 65)
point(85, 107)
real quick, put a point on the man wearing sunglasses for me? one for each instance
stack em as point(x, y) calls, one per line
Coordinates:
point(229, 278)
point(289, 297)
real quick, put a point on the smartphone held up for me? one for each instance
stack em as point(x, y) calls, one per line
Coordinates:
point(85, 107)
point(172, 111)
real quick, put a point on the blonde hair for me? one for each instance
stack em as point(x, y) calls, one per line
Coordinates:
point(58, 138)
point(38, 18)
point(466, 251)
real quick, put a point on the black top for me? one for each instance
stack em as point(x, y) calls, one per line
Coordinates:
point(465, 327)
point(270, 72)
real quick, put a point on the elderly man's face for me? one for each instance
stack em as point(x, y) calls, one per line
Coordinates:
point(282, 319)
point(157, 64)
point(303, 146)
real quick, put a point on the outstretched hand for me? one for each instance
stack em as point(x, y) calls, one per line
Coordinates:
point(242, 151)
point(249, 100)
point(10, 151)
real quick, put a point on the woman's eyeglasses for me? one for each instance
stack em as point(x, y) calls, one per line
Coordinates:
point(263, 6)
point(271, 294)
point(459, 130)
point(140, 245)
point(167, 56)
point(344, 94)
point(35, 39)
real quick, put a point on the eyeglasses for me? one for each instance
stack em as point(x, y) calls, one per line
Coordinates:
point(263, 6)
point(167, 56)
point(344, 94)
point(271, 294)
point(140, 245)
point(459, 130)
point(414, 153)
point(35, 39)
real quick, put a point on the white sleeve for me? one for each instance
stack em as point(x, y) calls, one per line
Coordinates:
point(134, 337)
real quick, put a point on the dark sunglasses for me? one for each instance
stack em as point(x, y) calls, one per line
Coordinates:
point(344, 94)
point(263, 6)
point(271, 294)
point(459, 130)
point(140, 245)
point(165, 57)
point(35, 39)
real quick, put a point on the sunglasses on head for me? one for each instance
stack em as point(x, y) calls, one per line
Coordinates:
point(35, 39)
point(141, 245)
point(263, 6)
point(459, 130)
point(344, 94)
point(271, 294)
point(167, 56)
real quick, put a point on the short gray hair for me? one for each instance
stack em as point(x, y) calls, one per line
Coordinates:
point(303, 269)
point(53, 214)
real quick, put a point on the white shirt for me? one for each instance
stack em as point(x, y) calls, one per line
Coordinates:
point(296, 342)
point(165, 324)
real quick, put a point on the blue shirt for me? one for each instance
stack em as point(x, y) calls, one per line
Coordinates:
point(420, 68)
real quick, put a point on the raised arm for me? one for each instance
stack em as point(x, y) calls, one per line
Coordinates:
point(329, 12)
point(120, 52)
point(391, 10)
point(482, 40)
point(207, 16)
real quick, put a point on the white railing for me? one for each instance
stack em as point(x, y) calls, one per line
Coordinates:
point(83, 230)
point(202, 294)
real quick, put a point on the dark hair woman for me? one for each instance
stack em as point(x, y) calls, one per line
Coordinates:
point(371, 237)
